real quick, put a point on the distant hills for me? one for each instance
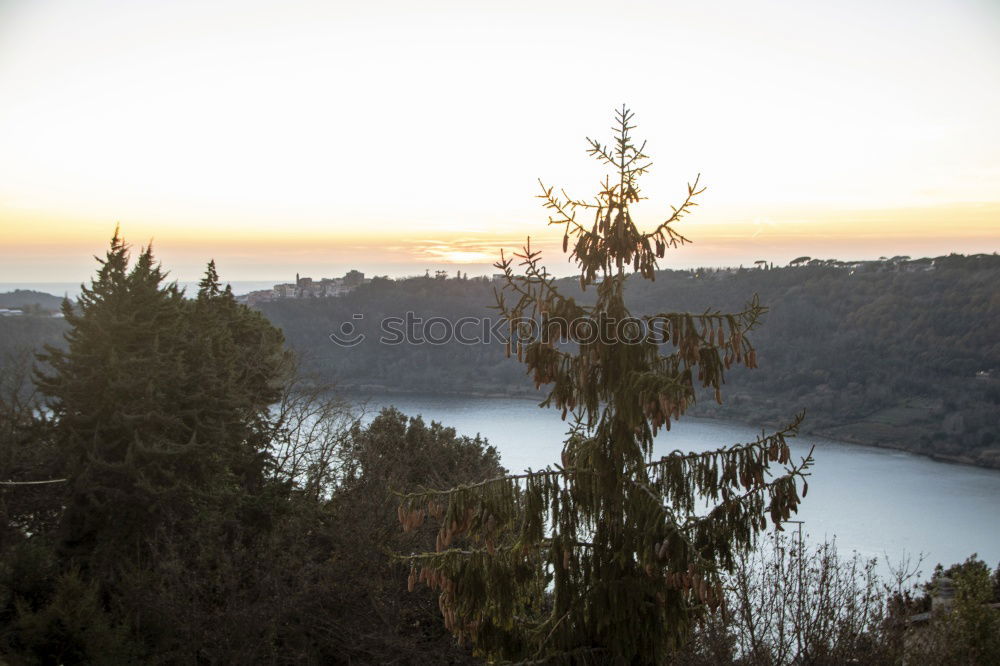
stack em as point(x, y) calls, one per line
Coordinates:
point(25, 299)
point(898, 353)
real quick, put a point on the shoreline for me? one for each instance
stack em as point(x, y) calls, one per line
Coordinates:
point(821, 432)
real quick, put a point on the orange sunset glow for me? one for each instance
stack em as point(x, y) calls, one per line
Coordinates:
point(396, 138)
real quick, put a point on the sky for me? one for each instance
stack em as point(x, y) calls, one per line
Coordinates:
point(395, 137)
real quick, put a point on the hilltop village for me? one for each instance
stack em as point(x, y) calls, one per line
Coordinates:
point(306, 287)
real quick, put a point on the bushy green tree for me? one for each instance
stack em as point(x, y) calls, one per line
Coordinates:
point(968, 630)
point(215, 510)
point(158, 402)
point(239, 366)
point(394, 452)
point(115, 393)
point(974, 622)
point(611, 555)
point(72, 627)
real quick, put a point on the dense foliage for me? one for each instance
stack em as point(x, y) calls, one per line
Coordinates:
point(896, 354)
point(182, 499)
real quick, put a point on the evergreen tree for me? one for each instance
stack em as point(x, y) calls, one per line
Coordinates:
point(239, 365)
point(115, 394)
point(611, 555)
point(159, 403)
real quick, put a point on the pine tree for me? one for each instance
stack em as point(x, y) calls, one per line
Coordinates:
point(159, 403)
point(239, 365)
point(611, 555)
point(114, 393)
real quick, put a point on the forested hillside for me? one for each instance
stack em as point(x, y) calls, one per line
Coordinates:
point(903, 354)
point(900, 354)
point(887, 357)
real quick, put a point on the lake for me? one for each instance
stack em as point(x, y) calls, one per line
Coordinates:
point(878, 502)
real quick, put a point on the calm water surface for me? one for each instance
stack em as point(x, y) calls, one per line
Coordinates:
point(877, 502)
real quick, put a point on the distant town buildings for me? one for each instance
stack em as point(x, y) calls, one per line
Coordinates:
point(899, 263)
point(306, 287)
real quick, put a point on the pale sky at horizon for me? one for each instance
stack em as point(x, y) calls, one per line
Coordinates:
point(319, 136)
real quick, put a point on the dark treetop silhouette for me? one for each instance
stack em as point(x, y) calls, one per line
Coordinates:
point(609, 555)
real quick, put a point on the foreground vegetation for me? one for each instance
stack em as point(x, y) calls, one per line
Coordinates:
point(177, 492)
point(197, 503)
point(201, 527)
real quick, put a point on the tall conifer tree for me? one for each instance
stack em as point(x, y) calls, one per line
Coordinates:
point(608, 557)
point(160, 403)
point(114, 393)
point(239, 365)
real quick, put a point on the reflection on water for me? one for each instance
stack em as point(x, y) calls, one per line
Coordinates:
point(875, 501)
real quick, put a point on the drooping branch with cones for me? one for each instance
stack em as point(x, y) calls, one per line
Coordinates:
point(610, 555)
